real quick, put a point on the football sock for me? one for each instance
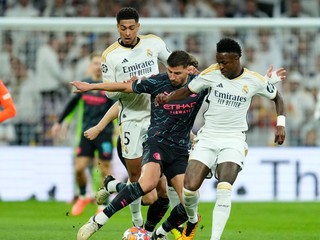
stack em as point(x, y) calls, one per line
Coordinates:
point(156, 211)
point(222, 208)
point(120, 186)
point(191, 200)
point(135, 208)
point(101, 218)
point(177, 217)
point(130, 193)
point(82, 190)
point(173, 197)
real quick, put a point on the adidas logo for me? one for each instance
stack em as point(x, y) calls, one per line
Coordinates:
point(124, 60)
point(220, 85)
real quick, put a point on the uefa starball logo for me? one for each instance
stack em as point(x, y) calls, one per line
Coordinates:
point(104, 68)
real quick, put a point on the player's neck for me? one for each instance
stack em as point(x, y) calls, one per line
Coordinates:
point(129, 45)
point(238, 74)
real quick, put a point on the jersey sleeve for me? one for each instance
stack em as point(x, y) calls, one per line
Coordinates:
point(108, 75)
point(7, 103)
point(265, 88)
point(164, 52)
point(143, 86)
point(200, 83)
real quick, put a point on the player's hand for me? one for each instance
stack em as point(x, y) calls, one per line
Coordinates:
point(276, 76)
point(193, 70)
point(92, 133)
point(160, 99)
point(81, 86)
point(280, 135)
point(55, 130)
point(132, 79)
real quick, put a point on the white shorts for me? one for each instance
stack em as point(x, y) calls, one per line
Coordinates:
point(213, 149)
point(133, 135)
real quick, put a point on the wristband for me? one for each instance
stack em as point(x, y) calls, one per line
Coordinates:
point(281, 121)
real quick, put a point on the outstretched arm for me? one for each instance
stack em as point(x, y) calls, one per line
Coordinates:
point(280, 133)
point(106, 86)
point(109, 116)
point(179, 94)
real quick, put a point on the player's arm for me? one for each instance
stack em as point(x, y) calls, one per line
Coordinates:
point(70, 106)
point(179, 94)
point(9, 109)
point(280, 133)
point(109, 116)
point(105, 86)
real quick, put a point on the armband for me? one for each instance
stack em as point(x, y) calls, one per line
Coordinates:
point(281, 121)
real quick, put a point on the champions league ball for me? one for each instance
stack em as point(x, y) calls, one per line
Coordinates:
point(135, 233)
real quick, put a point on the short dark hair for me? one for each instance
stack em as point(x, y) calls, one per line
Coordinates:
point(179, 58)
point(228, 45)
point(127, 13)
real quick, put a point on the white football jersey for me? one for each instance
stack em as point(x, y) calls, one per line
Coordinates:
point(120, 63)
point(229, 100)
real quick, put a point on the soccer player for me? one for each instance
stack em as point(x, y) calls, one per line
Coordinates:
point(168, 138)
point(133, 55)
point(6, 102)
point(94, 105)
point(220, 145)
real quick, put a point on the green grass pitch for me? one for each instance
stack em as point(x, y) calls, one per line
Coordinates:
point(34, 220)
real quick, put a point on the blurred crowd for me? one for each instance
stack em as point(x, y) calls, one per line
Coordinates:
point(38, 66)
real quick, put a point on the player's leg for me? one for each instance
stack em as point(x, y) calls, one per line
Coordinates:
point(174, 168)
point(195, 174)
point(158, 209)
point(83, 157)
point(149, 179)
point(230, 162)
point(133, 135)
point(103, 144)
point(81, 163)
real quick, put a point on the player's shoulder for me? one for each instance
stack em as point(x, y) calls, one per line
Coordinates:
point(255, 76)
point(212, 69)
point(150, 37)
point(109, 50)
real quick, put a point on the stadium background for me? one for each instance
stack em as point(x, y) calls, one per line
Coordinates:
point(46, 44)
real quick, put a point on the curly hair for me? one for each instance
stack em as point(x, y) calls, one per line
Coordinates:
point(228, 45)
point(127, 13)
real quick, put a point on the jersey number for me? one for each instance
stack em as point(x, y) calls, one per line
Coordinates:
point(126, 138)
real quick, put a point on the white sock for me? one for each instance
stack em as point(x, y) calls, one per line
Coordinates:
point(173, 196)
point(101, 218)
point(160, 230)
point(112, 186)
point(135, 208)
point(191, 200)
point(221, 211)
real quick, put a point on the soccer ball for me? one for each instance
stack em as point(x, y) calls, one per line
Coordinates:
point(135, 233)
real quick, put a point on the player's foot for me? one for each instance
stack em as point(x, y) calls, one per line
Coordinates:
point(156, 236)
point(104, 192)
point(87, 230)
point(177, 233)
point(80, 205)
point(190, 230)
